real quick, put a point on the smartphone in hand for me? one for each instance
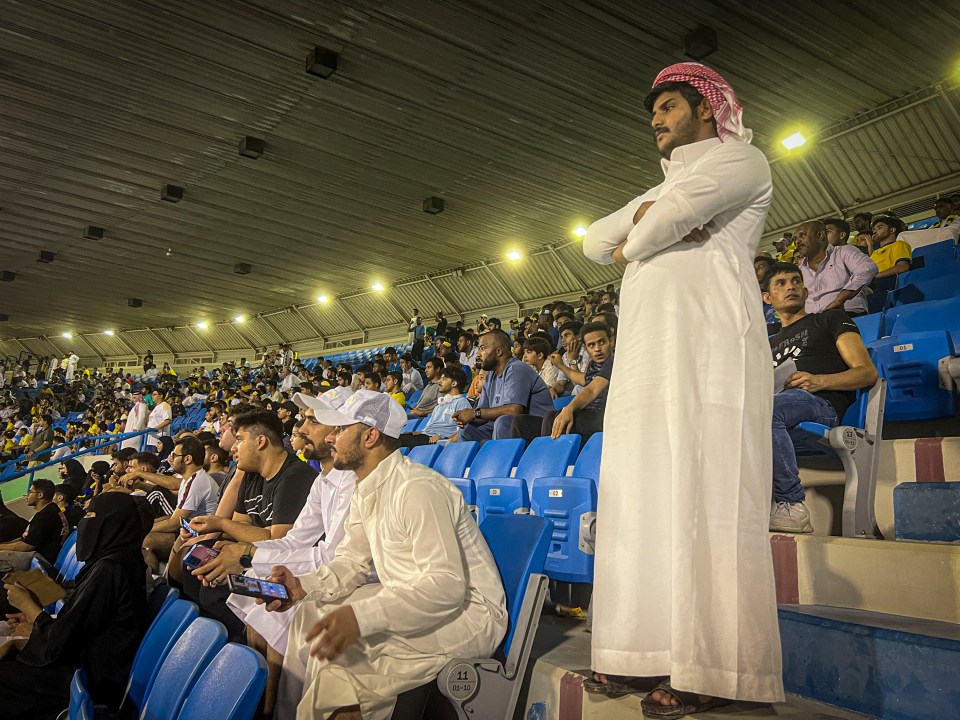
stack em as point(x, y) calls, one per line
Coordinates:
point(186, 526)
point(253, 587)
point(198, 555)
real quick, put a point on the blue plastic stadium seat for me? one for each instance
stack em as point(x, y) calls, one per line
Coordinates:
point(909, 362)
point(561, 402)
point(938, 288)
point(422, 423)
point(571, 503)
point(412, 400)
point(81, 704)
point(870, 327)
point(509, 495)
point(404, 451)
point(229, 688)
point(425, 454)
point(931, 269)
point(496, 458)
point(467, 488)
point(162, 635)
point(455, 459)
point(926, 316)
point(181, 668)
point(519, 547)
point(936, 254)
point(411, 425)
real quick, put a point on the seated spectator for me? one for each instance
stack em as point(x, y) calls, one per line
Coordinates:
point(216, 461)
point(270, 494)
point(287, 412)
point(412, 381)
point(943, 209)
point(391, 359)
point(608, 319)
point(392, 383)
point(44, 534)
point(585, 412)
point(761, 264)
point(12, 526)
point(832, 364)
point(891, 256)
point(73, 473)
point(510, 388)
point(197, 494)
point(441, 426)
point(288, 380)
point(476, 385)
point(42, 442)
point(62, 449)
point(466, 344)
point(428, 398)
point(65, 498)
point(439, 595)
point(838, 231)
point(834, 276)
point(536, 354)
point(99, 627)
point(344, 379)
point(372, 381)
point(211, 421)
point(574, 355)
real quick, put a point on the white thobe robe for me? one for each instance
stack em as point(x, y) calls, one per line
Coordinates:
point(439, 597)
point(71, 366)
point(684, 578)
point(301, 551)
point(136, 420)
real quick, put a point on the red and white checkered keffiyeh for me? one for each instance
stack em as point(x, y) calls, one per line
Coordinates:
point(726, 108)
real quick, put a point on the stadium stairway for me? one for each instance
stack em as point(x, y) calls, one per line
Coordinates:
point(869, 628)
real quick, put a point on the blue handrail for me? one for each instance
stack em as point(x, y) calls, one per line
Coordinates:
point(107, 441)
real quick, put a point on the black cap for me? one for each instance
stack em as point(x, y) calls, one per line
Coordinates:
point(290, 405)
point(407, 356)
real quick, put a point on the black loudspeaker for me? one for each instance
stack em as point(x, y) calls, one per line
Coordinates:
point(4, 317)
point(171, 193)
point(242, 268)
point(700, 42)
point(92, 232)
point(134, 302)
point(433, 205)
point(7, 275)
point(251, 147)
point(322, 62)
point(46, 256)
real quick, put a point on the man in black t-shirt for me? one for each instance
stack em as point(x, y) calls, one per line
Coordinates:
point(43, 536)
point(12, 526)
point(832, 364)
point(272, 493)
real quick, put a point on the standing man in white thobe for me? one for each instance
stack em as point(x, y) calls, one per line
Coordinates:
point(354, 647)
point(71, 368)
point(684, 584)
point(136, 420)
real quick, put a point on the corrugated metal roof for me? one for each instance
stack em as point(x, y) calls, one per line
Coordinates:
point(525, 117)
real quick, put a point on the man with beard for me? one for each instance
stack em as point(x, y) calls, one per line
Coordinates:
point(684, 500)
point(511, 388)
point(354, 647)
point(310, 543)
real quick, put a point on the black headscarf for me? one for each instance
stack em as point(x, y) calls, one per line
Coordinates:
point(116, 530)
point(166, 446)
point(76, 475)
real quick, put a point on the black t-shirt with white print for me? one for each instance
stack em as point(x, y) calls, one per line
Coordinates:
point(279, 500)
point(811, 342)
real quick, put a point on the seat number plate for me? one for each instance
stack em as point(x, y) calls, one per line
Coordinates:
point(494, 491)
point(903, 348)
point(555, 492)
point(462, 682)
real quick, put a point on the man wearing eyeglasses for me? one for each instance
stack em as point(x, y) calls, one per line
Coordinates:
point(43, 536)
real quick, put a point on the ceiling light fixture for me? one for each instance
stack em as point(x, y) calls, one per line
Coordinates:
point(377, 287)
point(202, 325)
point(514, 255)
point(791, 142)
point(322, 298)
point(67, 335)
point(108, 332)
point(580, 231)
point(240, 318)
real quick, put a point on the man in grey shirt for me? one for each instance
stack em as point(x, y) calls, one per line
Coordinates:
point(511, 388)
point(431, 391)
point(835, 276)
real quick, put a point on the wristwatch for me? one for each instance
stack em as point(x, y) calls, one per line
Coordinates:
point(478, 414)
point(246, 560)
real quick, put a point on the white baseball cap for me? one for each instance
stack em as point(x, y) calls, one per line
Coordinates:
point(330, 400)
point(368, 407)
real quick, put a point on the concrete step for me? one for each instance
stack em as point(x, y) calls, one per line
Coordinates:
point(911, 579)
point(884, 666)
point(561, 662)
point(927, 511)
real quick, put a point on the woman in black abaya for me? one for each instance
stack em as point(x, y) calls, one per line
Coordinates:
point(99, 627)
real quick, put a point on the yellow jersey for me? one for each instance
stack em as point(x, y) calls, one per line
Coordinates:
point(889, 255)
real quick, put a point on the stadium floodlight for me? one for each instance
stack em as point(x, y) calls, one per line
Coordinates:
point(377, 287)
point(68, 335)
point(202, 325)
point(108, 333)
point(240, 318)
point(580, 231)
point(322, 298)
point(514, 255)
point(792, 142)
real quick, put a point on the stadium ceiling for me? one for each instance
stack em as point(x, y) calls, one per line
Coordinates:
point(525, 116)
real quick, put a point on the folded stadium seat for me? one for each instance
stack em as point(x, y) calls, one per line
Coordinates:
point(931, 255)
point(81, 704)
point(411, 425)
point(926, 316)
point(230, 688)
point(455, 459)
point(561, 402)
point(422, 423)
point(510, 495)
point(929, 271)
point(488, 688)
point(190, 655)
point(496, 458)
point(870, 327)
point(159, 639)
point(877, 300)
point(916, 366)
point(571, 503)
point(412, 400)
point(936, 288)
point(856, 441)
point(425, 454)
point(404, 451)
